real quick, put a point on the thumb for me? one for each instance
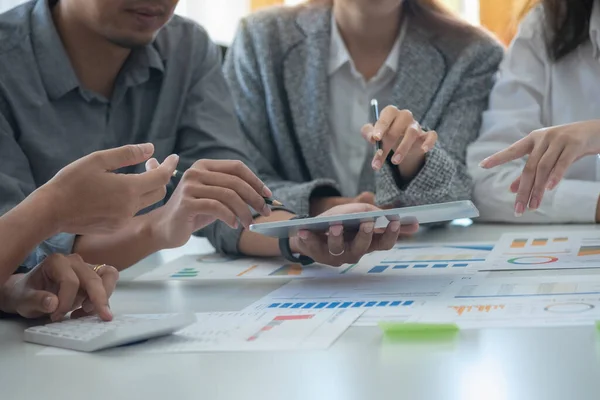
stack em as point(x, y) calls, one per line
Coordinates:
point(366, 197)
point(125, 156)
point(36, 303)
point(152, 164)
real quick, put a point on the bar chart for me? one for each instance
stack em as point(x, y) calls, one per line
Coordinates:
point(318, 305)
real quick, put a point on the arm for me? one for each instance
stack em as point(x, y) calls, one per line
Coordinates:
point(443, 176)
point(515, 110)
point(244, 76)
point(22, 229)
point(16, 183)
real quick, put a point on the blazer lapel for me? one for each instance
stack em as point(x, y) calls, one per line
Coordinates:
point(306, 85)
point(421, 70)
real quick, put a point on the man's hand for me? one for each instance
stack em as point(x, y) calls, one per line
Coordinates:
point(211, 190)
point(87, 197)
point(338, 247)
point(59, 285)
point(321, 205)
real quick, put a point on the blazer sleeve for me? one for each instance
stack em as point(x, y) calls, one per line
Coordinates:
point(516, 109)
point(444, 176)
point(246, 83)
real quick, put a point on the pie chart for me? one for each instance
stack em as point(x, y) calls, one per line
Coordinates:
point(533, 260)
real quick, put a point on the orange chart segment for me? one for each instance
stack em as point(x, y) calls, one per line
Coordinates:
point(518, 243)
point(460, 310)
point(588, 251)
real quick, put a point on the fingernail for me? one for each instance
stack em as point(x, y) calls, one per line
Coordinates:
point(88, 307)
point(395, 226)
point(267, 192)
point(303, 235)
point(147, 148)
point(425, 149)
point(336, 230)
point(483, 164)
point(377, 135)
point(397, 159)
point(47, 303)
point(519, 209)
point(368, 227)
point(266, 211)
point(534, 203)
point(376, 165)
point(107, 311)
point(551, 184)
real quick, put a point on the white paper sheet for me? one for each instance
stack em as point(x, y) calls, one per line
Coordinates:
point(382, 297)
point(552, 300)
point(546, 250)
point(247, 331)
point(426, 259)
point(214, 266)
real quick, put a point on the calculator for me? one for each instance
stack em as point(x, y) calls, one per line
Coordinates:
point(91, 333)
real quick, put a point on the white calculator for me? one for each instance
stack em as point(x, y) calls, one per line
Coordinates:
point(92, 334)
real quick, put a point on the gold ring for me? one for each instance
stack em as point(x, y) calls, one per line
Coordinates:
point(98, 267)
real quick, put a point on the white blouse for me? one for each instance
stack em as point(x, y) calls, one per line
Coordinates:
point(349, 101)
point(533, 92)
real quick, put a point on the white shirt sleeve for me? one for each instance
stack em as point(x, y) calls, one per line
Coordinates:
point(516, 108)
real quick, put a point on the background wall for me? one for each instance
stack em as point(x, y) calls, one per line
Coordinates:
point(221, 17)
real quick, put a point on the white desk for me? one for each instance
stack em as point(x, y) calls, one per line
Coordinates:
point(518, 364)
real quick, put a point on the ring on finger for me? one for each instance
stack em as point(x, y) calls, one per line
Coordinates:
point(98, 267)
point(339, 254)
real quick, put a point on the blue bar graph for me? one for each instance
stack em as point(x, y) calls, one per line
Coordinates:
point(378, 269)
point(403, 266)
point(440, 266)
point(460, 265)
point(420, 265)
point(313, 305)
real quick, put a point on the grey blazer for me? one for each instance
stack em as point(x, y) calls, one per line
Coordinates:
point(277, 72)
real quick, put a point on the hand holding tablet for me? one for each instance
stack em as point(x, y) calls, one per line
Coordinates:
point(351, 222)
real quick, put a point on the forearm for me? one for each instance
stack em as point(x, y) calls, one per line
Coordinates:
point(121, 249)
point(21, 230)
point(254, 244)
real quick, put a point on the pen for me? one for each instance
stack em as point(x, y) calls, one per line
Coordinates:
point(270, 202)
point(374, 119)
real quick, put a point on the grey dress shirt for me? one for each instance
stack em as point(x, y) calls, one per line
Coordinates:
point(171, 93)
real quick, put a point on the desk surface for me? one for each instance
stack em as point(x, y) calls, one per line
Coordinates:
point(495, 364)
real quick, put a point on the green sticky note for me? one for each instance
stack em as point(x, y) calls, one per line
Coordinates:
point(410, 328)
point(418, 332)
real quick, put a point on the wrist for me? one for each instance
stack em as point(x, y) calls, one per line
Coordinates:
point(46, 208)
point(150, 228)
point(410, 167)
point(6, 305)
point(295, 245)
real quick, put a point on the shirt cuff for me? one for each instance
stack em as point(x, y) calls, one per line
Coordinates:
point(61, 244)
point(577, 201)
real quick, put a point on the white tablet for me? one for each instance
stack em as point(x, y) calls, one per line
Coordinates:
point(408, 215)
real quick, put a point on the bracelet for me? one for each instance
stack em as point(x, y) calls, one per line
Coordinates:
point(286, 250)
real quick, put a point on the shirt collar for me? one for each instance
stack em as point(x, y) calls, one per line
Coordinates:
point(339, 55)
point(54, 65)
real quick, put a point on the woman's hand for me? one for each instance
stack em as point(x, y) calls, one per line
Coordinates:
point(551, 152)
point(338, 247)
point(398, 131)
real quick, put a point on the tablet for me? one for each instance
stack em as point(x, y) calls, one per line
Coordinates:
point(408, 215)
